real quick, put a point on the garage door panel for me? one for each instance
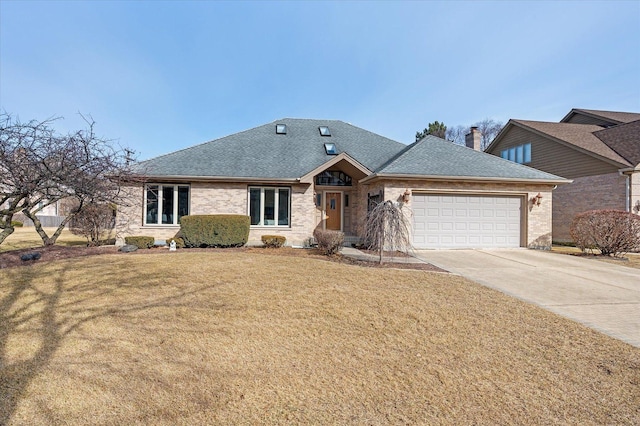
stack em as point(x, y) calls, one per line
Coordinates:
point(466, 221)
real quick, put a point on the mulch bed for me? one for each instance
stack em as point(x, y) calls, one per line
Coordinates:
point(12, 259)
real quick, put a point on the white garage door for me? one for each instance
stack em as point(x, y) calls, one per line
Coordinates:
point(465, 221)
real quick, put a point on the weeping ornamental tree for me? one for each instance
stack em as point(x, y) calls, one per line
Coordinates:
point(388, 228)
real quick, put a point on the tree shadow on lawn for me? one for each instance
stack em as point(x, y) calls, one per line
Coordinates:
point(41, 309)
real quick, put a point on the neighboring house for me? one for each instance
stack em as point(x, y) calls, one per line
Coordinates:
point(295, 175)
point(598, 150)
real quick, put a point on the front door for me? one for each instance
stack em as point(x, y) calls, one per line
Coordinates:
point(333, 210)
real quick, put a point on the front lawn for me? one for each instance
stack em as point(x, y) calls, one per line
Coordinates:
point(252, 338)
point(26, 237)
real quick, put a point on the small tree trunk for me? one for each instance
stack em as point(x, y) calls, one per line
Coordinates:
point(6, 232)
point(381, 244)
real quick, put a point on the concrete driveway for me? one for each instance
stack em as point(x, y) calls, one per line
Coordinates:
point(600, 295)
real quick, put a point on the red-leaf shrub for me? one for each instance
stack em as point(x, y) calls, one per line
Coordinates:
point(329, 242)
point(613, 232)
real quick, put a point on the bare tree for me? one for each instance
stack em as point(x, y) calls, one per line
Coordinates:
point(489, 129)
point(95, 222)
point(387, 228)
point(39, 167)
point(456, 134)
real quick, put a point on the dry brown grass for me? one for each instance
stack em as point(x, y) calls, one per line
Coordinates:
point(631, 260)
point(27, 237)
point(249, 338)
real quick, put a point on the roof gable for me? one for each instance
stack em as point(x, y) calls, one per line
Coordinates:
point(577, 136)
point(436, 157)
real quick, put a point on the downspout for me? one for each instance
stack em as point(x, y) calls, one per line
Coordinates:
point(627, 193)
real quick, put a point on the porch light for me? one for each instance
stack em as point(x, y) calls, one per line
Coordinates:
point(536, 199)
point(406, 195)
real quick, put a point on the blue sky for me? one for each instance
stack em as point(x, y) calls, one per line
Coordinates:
point(160, 76)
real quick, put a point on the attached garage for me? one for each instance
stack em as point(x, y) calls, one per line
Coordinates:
point(466, 221)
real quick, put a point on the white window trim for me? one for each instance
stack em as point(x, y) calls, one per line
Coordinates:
point(276, 204)
point(175, 203)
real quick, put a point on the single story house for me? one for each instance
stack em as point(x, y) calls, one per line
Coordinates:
point(295, 175)
point(598, 150)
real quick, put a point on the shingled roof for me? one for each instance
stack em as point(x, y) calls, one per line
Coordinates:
point(262, 153)
point(435, 157)
point(615, 117)
point(624, 140)
point(578, 135)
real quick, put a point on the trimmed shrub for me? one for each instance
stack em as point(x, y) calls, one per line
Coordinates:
point(16, 224)
point(140, 241)
point(612, 232)
point(329, 242)
point(179, 242)
point(273, 241)
point(222, 230)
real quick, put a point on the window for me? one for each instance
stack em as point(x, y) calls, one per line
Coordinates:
point(333, 178)
point(519, 154)
point(330, 148)
point(269, 206)
point(281, 129)
point(324, 131)
point(165, 204)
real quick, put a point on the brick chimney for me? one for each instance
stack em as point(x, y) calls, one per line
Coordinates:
point(473, 139)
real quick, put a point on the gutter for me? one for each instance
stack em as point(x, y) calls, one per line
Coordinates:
point(182, 178)
point(374, 176)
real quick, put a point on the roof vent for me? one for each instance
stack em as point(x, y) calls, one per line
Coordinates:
point(324, 131)
point(281, 129)
point(330, 148)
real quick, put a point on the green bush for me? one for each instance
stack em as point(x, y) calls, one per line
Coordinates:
point(329, 242)
point(140, 241)
point(16, 224)
point(179, 242)
point(215, 230)
point(273, 241)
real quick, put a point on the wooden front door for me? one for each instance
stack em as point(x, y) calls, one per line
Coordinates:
point(333, 210)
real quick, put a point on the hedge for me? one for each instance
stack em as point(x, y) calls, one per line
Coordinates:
point(329, 242)
point(179, 242)
point(16, 224)
point(273, 241)
point(215, 230)
point(140, 241)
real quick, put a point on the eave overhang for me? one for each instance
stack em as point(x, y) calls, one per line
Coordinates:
point(385, 176)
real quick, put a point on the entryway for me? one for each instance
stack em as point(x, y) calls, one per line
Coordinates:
point(333, 210)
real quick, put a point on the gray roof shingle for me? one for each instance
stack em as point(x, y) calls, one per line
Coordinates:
point(433, 156)
point(261, 153)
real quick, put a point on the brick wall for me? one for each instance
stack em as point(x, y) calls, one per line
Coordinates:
point(586, 193)
point(222, 198)
point(536, 219)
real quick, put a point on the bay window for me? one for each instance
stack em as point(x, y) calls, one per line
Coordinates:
point(269, 206)
point(165, 204)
